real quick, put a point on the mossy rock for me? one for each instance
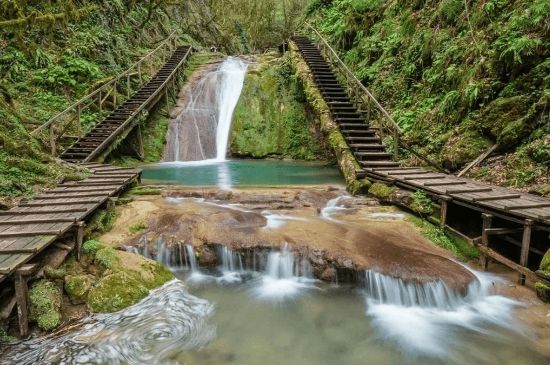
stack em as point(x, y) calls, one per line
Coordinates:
point(45, 304)
point(154, 274)
point(358, 186)
point(381, 191)
point(545, 263)
point(462, 148)
point(543, 291)
point(115, 292)
point(106, 258)
point(77, 287)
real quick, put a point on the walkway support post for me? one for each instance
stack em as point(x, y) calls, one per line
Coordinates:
point(487, 221)
point(79, 239)
point(525, 243)
point(22, 294)
point(444, 201)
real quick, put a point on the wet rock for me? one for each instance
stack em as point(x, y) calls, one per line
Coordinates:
point(329, 274)
point(206, 256)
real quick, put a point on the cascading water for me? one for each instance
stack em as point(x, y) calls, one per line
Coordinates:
point(426, 318)
point(200, 132)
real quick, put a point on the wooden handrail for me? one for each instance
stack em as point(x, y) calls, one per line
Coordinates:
point(390, 123)
point(130, 71)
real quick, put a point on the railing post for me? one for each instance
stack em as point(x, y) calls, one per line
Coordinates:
point(100, 102)
point(114, 94)
point(395, 144)
point(78, 114)
point(139, 71)
point(52, 141)
point(128, 86)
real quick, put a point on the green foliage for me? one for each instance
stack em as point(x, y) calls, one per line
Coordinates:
point(106, 257)
point(6, 339)
point(45, 304)
point(138, 227)
point(77, 287)
point(421, 203)
point(449, 71)
point(115, 292)
point(381, 191)
point(270, 119)
point(460, 248)
point(91, 247)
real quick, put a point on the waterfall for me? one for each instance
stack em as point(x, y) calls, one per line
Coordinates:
point(231, 261)
point(426, 318)
point(200, 131)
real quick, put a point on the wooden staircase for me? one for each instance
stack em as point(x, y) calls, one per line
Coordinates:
point(362, 140)
point(104, 133)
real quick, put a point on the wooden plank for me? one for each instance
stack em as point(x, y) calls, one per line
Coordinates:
point(65, 196)
point(527, 206)
point(50, 203)
point(49, 211)
point(404, 173)
point(16, 222)
point(75, 189)
point(425, 177)
point(478, 160)
point(468, 190)
point(12, 262)
point(29, 233)
point(445, 183)
point(497, 197)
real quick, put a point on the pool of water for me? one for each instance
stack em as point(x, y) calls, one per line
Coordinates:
point(240, 173)
point(248, 318)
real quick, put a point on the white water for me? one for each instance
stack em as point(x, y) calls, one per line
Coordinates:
point(332, 208)
point(233, 71)
point(169, 321)
point(210, 112)
point(427, 319)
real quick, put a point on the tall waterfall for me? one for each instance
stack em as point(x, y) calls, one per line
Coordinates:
point(200, 131)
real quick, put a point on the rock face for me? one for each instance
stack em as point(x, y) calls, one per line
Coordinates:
point(338, 241)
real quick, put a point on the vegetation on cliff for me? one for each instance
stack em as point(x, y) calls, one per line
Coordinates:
point(458, 76)
point(271, 119)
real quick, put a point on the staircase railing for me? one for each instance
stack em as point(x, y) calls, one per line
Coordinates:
point(105, 98)
point(365, 100)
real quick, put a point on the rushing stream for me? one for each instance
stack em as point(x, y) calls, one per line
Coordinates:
point(235, 314)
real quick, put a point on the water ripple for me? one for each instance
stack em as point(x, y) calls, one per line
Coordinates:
point(154, 331)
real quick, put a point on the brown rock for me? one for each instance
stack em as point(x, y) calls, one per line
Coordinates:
point(329, 274)
point(207, 257)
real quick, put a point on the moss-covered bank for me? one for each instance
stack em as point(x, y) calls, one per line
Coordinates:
point(104, 280)
point(270, 119)
point(328, 127)
point(457, 76)
point(543, 289)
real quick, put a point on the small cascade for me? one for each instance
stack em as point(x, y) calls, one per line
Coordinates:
point(231, 261)
point(332, 207)
point(436, 313)
point(385, 289)
point(191, 259)
point(285, 276)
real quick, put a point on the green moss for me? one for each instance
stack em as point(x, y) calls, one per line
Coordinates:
point(101, 222)
point(543, 291)
point(115, 292)
point(545, 263)
point(270, 119)
point(52, 273)
point(106, 258)
point(155, 275)
point(359, 186)
point(463, 147)
point(145, 191)
point(138, 227)
point(381, 191)
point(460, 248)
point(6, 339)
point(78, 286)
point(421, 203)
point(90, 247)
point(45, 304)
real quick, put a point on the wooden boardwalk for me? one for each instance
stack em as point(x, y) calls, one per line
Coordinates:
point(502, 214)
point(28, 229)
point(118, 124)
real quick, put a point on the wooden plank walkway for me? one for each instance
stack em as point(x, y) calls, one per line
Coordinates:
point(120, 121)
point(32, 226)
point(528, 211)
point(507, 202)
